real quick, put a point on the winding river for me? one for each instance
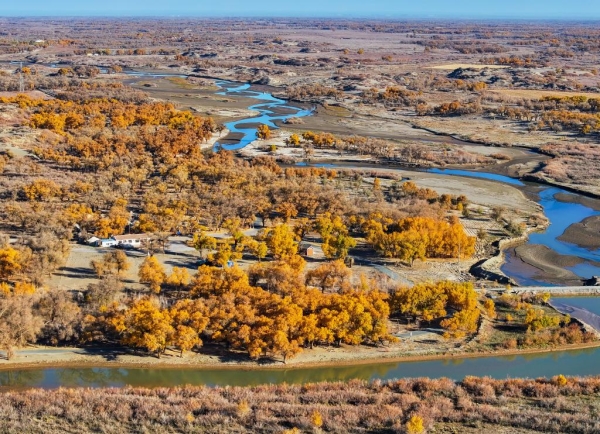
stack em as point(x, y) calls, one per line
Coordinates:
point(271, 109)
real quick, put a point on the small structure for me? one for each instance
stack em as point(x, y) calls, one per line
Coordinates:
point(106, 242)
point(131, 240)
point(101, 242)
point(593, 281)
point(94, 241)
point(306, 250)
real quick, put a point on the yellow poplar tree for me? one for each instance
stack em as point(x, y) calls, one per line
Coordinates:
point(152, 273)
point(9, 262)
point(145, 325)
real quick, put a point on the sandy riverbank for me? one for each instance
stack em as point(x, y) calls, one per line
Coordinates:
point(352, 356)
point(549, 264)
point(585, 233)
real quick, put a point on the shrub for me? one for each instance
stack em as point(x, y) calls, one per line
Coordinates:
point(415, 425)
point(559, 380)
point(316, 419)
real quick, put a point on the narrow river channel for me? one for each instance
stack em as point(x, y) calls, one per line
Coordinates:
point(576, 362)
point(270, 110)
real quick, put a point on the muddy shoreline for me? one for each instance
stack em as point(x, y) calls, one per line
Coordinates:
point(251, 366)
point(584, 234)
point(549, 265)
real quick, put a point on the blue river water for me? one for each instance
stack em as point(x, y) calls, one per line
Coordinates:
point(267, 115)
point(482, 175)
point(561, 215)
point(591, 304)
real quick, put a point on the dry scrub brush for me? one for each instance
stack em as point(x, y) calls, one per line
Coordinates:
point(547, 405)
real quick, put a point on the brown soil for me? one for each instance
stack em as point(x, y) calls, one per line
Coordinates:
point(537, 94)
point(585, 234)
point(453, 66)
point(202, 100)
point(550, 264)
point(583, 200)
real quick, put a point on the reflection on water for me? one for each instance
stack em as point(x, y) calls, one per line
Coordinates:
point(267, 115)
point(578, 362)
point(22, 378)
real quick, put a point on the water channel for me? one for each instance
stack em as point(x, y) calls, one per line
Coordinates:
point(576, 362)
point(560, 214)
point(270, 110)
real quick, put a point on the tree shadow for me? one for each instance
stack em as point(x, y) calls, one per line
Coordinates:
point(227, 356)
point(508, 328)
point(75, 272)
point(135, 253)
point(189, 265)
point(426, 341)
point(185, 255)
point(112, 353)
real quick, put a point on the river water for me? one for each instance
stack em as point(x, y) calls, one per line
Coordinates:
point(589, 303)
point(270, 110)
point(577, 362)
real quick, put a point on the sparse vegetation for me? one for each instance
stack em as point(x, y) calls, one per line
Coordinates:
point(415, 406)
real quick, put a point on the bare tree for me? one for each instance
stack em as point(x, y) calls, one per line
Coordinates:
point(19, 324)
point(61, 317)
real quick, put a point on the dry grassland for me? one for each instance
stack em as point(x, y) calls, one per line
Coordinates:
point(453, 66)
point(538, 94)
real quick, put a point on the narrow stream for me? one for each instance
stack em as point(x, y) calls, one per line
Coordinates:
point(270, 109)
point(482, 175)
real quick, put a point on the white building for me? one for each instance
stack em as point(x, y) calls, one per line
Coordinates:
point(131, 240)
point(101, 242)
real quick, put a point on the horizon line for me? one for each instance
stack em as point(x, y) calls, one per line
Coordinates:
point(377, 17)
